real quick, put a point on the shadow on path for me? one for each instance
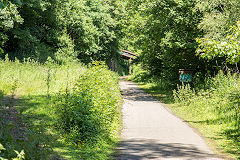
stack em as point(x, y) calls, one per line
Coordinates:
point(151, 132)
point(136, 94)
point(138, 149)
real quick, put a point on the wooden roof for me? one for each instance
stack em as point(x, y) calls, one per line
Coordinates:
point(127, 54)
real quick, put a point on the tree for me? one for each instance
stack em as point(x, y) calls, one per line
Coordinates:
point(218, 43)
point(9, 15)
point(166, 32)
point(218, 16)
point(91, 27)
point(227, 48)
point(65, 30)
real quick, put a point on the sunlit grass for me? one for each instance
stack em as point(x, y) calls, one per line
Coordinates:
point(39, 118)
point(33, 87)
point(211, 112)
point(212, 127)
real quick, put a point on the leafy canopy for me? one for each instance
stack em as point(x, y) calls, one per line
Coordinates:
point(228, 47)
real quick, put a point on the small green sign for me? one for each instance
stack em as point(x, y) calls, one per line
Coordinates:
point(186, 77)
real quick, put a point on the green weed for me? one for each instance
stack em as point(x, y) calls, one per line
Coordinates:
point(90, 95)
point(20, 156)
point(87, 112)
point(184, 94)
point(214, 111)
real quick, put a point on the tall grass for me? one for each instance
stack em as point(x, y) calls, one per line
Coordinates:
point(215, 110)
point(42, 93)
point(36, 79)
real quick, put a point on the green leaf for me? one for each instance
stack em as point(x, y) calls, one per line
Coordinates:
point(18, 2)
point(2, 5)
point(1, 147)
point(1, 51)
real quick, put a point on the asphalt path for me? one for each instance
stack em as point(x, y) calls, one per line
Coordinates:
point(151, 131)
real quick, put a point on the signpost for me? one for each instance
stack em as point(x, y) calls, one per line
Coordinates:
point(186, 75)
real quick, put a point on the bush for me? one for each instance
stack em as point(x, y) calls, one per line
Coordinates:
point(3, 152)
point(139, 74)
point(88, 111)
point(183, 95)
point(222, 97)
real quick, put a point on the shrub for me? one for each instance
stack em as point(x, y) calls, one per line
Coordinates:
point(184, 94)
point(3, 152)
point(139, 74)
point(88, 111)
point(222, 97)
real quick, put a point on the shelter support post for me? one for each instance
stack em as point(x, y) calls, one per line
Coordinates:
point(130, 67)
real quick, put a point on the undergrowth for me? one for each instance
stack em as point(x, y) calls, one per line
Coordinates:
point(90, 110)
point(161, 88)
point(58, 111)
point(215, 110)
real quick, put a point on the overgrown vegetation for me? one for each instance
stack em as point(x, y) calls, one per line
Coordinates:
point(90, 111)
point(166, 35)
point(214, 110)
point(20, 156)
point(63, 30)
point(69, 111)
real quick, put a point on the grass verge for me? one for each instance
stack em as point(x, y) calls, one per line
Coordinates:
point(212, 128)
point(29, 92)
point(212, 112)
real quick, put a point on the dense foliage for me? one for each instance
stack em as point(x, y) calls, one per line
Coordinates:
point(226, 48)
point(218, 16)
point(220, 27)
point(64, 30)
point(166, 34)
point(90, 111)
point(216, 106)
point(9, 16)
point(70, 108)
point(20, 156)
point(162, 33)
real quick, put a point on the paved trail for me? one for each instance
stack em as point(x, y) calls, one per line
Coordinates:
point(150, 131)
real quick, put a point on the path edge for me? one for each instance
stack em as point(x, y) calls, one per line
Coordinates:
point(216, 150)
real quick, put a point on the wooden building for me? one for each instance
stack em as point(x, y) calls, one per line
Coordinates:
point(129, 56)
